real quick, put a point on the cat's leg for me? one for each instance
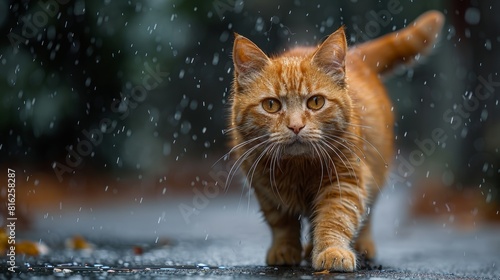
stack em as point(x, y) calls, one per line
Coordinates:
point(364, 243)
point(286, 247)
point(339, 211)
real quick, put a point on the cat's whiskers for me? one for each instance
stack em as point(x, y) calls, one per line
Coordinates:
point(338, 139)
point(358, 125)
point(321, 155)
point(318, 138)
point(351, 170)
point(339, 142)
point(345, 142)
point(253, 167)
point(227, 130)
point(315, 149)
point(237, 164)
point(275, 158)
point(362, 139)
point(340, 155)
point(330, 159)
point(280, 140)
point(272, 154)
point(236, 147)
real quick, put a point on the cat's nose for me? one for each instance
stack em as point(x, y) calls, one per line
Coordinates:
point(296, 128)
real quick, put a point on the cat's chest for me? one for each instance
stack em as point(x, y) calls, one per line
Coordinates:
point(292, 175)
point(290, 185)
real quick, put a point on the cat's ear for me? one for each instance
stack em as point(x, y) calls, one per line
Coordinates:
point(248, 59)
point(330, 55)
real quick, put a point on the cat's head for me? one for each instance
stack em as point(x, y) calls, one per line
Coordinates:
point(293, 101)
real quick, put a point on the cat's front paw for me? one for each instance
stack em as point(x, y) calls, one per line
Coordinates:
point(284, 254)
point(334, 259)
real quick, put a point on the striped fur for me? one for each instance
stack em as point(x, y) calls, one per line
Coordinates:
point(326, 164)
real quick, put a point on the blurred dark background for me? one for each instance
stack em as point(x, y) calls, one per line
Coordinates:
point(140, 88)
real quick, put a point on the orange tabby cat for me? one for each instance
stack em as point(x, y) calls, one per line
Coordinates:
point(313, 131)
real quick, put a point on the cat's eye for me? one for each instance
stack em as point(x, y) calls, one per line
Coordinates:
point(271, 105)
point(316, 102)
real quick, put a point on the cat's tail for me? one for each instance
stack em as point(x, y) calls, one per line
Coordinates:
point(401, 46)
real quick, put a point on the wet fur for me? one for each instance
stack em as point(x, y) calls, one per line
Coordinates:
point(326, 165)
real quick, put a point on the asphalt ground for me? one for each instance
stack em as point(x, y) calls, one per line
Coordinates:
point(224, 237)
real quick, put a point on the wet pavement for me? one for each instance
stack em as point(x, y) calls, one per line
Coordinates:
point(225, 237)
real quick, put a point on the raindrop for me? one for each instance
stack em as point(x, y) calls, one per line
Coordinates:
point(166, 149)
point(329, 22)
point(259, 24)
point(224, 36)
point(79, 8)
point(193, 105)
point(484, 115)
point(485, 167)
point(178, 115)
point(451, 219)
point(487, 44)
point(464, 132)
point(185, 127)
point(215, 59)
point(472, 16)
